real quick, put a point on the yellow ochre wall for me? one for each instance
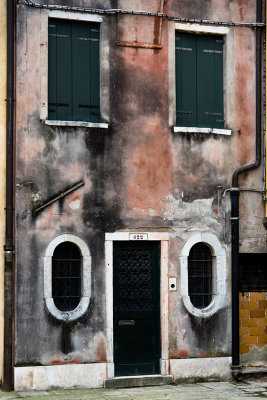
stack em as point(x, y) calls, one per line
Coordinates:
point(253, 321)
point(2, 166)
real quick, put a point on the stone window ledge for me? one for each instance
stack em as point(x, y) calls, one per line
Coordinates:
point(182, 129)
point(100, 125)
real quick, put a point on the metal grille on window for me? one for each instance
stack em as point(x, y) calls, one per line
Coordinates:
point(135, 280)
point(200, 275)
point(66, 276)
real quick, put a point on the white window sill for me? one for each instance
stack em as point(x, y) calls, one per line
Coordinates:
point(77, 123)
point(182, 129)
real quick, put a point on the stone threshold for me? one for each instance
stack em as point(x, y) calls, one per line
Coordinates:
point(137, 381)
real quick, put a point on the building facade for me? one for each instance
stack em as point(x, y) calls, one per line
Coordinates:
point(131, 118)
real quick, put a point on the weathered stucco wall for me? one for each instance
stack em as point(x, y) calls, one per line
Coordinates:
point(137, 174)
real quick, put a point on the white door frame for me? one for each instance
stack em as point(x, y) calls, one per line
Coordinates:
point(163, 237)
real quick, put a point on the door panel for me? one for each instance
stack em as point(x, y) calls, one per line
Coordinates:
point(136, 308)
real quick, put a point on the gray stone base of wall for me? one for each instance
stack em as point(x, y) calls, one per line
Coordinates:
point(201, 369)
point(95, 375)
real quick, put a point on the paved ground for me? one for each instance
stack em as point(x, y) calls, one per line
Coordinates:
point(209, 390)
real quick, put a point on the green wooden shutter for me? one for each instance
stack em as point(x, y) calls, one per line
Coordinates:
point(59, 75)
point(85, 44)
point(52, 70)
point(81, 71)
point(199, 80)
point(205, 81)
point(185, 50)
point(95, 75)
point(73, 87)
point(210, 82)
point(218, 79)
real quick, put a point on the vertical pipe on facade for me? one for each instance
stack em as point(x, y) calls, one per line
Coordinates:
point(9, 240)
point(235, 198)
point(265, 177)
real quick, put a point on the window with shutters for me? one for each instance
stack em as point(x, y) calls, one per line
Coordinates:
point(73, 71)
point(199, 80)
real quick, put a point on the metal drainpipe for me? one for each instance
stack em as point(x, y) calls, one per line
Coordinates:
point(9, 240)
point(235, 192)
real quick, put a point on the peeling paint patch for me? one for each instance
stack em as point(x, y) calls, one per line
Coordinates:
point(75, 205)
point(256, 357)
point(176, 208)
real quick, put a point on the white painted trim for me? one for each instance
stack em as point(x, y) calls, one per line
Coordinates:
point(219, 274)
point(182, 129)
point(68, 376)
point(163, 237)
point(74, 16)
point(201, 28)
point(164, 306)
point(77, 123)
point(86, 278)
point(109, 306)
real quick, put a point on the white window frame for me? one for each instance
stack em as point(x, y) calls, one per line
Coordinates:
point(219, 274)
point(228, 74)
point(85, 278)
point(104, 67)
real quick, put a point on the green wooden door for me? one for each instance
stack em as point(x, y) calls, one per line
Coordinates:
point(136, 308)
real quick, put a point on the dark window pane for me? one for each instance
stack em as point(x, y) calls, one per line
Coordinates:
point(200, 275)
point(253, 272)
point(66, 276)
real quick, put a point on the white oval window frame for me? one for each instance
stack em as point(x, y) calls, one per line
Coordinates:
point(219, 274)
point(85, 281)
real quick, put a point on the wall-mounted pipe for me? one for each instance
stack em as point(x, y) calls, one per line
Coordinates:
point(265, 135)
point(260, 191)
point(235, 192)
point(9, 240)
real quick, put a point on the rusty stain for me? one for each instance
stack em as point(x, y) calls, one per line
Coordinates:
point(60, 360)
point(141, 45)
point(202, 355)
point(183, 353)
point(100, 351)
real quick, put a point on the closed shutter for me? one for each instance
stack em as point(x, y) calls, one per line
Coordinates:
point(186, 107)
point(85, 44)
point(199, 81)
point(94, 73)
point(60, 71)
point(74, 71)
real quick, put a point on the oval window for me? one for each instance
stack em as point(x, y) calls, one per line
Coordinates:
point(200, 275)
point(66, 276)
